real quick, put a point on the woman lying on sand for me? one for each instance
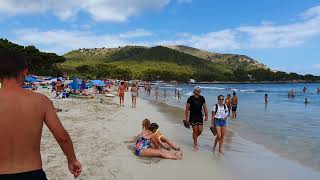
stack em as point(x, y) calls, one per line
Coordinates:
point(163, 141)
point(147, 145)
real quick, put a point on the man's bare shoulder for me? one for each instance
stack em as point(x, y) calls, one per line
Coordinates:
point(37, 96)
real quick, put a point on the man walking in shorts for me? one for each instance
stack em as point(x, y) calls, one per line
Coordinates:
point(195, 107)
point(234, 105)
point(23, 114)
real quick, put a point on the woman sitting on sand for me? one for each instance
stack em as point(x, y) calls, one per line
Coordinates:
point(145, 141)
point(163, 141)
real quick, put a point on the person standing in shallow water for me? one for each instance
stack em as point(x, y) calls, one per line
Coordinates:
point(228, 103)
point(23, 114)
point(234, 105)
point(195, 107)
point(266, 98)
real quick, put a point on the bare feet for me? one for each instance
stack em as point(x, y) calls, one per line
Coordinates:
point(195, 147)
point(221, 152)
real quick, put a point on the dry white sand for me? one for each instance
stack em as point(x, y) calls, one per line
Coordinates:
point(103, 138)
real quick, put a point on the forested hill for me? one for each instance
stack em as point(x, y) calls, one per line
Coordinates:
point(171, 63)
point(39, 63)
point(179, 63)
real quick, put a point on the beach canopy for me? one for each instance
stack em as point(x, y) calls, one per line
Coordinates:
point(83, 85)
point(75, 84)
point(31, 79)
point(98, 83)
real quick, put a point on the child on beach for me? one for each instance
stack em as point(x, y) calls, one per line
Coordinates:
point(147, 145)
point(163, 141)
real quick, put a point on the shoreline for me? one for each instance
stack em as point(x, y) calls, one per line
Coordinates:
point(261, 82)
point(172, 110)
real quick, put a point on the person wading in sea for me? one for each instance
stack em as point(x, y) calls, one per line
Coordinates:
point(23, 114)
point(234, 105)
point(196, 104)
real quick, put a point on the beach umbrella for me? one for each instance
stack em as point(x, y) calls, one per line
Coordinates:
point(75, 85)
point(98, 83)
point(30, 79)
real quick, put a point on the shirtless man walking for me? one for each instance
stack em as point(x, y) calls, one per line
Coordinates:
point(121, 90)
point(23, 114)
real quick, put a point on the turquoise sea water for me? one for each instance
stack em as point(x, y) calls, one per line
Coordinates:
point(286, 126)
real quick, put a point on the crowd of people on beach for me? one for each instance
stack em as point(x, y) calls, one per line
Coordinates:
point(21, 158)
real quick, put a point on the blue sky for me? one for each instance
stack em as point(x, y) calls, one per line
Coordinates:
point(283, 34)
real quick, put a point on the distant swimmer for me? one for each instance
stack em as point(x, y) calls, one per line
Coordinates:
point(306, 101)
point(318, 90)
point(304, 89)
point(179, 95)
point(165, 93)
point(23, 114)
point(291, 93)
point(266, 98)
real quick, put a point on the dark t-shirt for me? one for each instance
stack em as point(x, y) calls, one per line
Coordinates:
point(196, 107)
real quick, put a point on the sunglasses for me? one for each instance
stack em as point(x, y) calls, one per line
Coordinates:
point(221, 99)
point(197, 91)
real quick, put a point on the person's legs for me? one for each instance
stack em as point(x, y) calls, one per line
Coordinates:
point(165, 140)
point(135, 101)
point(221, 139)
point(195, 135)
point(200, 129)
point(217, 138)
point(151, 152)
point(132, 101)
point(122, 98)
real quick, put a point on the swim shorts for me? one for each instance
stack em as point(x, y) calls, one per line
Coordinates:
point(234, 107)
point(31, 175)
point(196, 121)
point(220, 123)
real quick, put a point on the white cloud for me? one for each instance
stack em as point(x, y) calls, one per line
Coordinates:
point(99, 10)
point(317, 66)
point(266, 35)
point(62, 41)
point(136, 33)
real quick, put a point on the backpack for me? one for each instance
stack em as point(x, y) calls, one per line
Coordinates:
point(225, 109)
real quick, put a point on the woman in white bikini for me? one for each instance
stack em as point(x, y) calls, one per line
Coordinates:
point(134, 94)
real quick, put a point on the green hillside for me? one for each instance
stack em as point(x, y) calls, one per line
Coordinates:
point(147, 63)
point(40, 63)
point(179, 63)
point(233, 61)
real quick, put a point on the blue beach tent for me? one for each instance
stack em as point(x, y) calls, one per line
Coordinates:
point(98, 83)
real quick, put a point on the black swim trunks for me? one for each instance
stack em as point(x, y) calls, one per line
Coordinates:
point(234, 108)
point(31, 175)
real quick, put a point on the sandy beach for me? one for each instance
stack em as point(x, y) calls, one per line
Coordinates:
point(103, 136)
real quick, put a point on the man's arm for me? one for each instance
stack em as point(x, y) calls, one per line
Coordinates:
point(187, 111)
point(212, 119)
point(62, 137)
point(205, 109)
